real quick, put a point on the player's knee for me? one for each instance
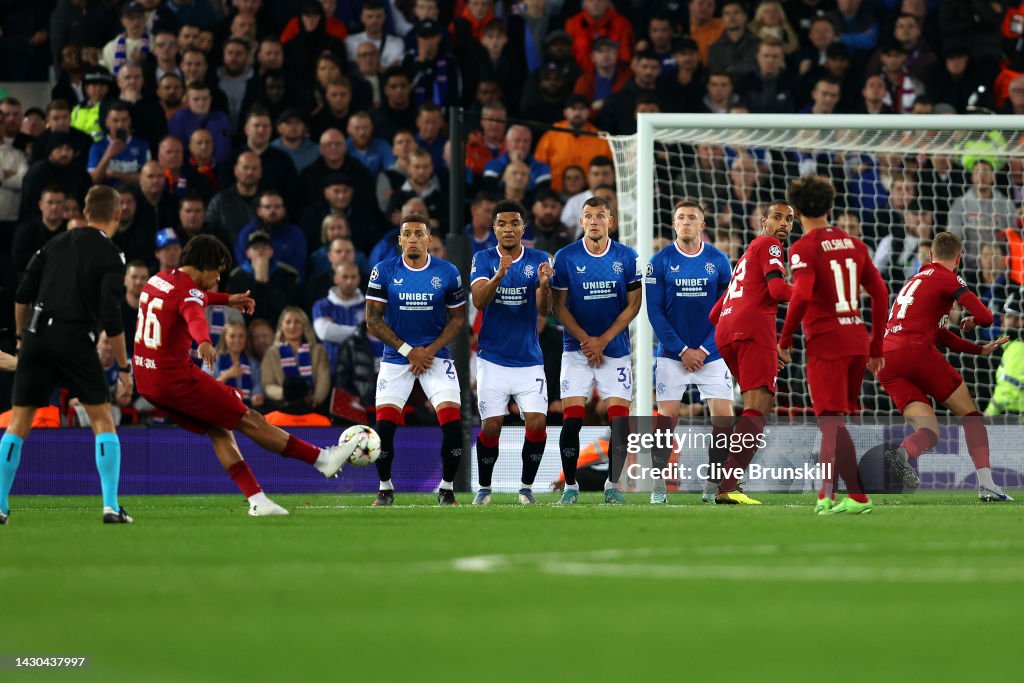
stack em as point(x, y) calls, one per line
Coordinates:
point(536, 421)
point(491, 427)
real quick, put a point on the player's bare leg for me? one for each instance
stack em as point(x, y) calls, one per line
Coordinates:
point(327, 460)
point(976, 435)
point(10, 453)
point(757, 403)
point(573, 410)
point(230, 457)
point(618, 418)
point(487, 456)
point(532, 453)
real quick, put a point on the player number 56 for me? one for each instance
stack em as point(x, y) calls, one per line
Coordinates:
point(147, 327)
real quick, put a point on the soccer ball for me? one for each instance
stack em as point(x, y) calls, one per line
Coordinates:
point(363, 442)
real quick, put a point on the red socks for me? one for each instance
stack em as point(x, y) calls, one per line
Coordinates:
point(300, 450)
point(919, 442)
point(976, 436)
point(244, 479)
point(749, 427)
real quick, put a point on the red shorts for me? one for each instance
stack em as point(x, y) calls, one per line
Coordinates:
point(835, 383)
point(914, 374)
point(752, 364)
point(197, 404)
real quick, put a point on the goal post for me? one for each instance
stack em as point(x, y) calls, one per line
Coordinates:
point(931, 157)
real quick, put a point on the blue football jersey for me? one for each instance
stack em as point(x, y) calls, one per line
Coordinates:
point(417, 301)
point(508, 334)
point(597, 286)
point(681, 291)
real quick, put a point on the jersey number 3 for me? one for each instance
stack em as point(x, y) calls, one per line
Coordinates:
point(147, 327)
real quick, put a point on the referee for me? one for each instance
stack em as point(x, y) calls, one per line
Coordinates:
point(73, 286)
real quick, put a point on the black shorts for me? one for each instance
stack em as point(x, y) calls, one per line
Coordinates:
point(59, 354)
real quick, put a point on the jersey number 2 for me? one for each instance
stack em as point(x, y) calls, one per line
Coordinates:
point(735, 291)
point(147, 327)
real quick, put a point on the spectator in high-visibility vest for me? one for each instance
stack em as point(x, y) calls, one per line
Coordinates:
point(1008, 396)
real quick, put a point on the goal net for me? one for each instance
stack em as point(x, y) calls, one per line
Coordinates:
point(899, 180)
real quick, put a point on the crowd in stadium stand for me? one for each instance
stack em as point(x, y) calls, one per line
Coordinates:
point(298, 132)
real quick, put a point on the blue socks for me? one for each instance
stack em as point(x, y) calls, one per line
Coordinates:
point(10, 457)
point(108, 463)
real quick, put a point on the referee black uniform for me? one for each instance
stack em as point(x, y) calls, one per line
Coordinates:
point(73, 286)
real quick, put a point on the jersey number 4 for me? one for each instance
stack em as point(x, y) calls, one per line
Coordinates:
point(904, 299)
point(147, 327)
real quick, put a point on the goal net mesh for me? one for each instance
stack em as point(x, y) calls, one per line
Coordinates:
point(895, 190)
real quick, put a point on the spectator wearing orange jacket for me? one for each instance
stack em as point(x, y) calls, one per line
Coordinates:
point(599, 20)
point(559, 150)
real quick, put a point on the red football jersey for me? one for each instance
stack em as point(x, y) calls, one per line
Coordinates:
point(747, 309)
point(921, 309)
point(837, 265)
point(163, 342)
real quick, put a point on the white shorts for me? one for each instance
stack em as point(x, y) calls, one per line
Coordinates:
point(671, 380)
point(496, 384)
point(440, 383)
point(614, 378)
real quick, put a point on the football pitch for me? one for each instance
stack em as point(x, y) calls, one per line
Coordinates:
point(928, 587)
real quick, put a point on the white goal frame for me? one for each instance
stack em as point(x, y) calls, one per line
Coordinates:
point(641, 155)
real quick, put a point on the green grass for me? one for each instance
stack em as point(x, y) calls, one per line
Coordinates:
point(926, 588)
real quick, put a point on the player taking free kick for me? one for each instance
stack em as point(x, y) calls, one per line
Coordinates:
point(915, 369)
point(171, 315)
point(828, 269)
point(745, 334)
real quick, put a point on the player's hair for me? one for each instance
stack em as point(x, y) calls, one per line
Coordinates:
point(946, 246)
point(307, 327)
point(508, 206)
point(206, 252)
point(102, 204)
point(414, 218)
point(598, 201)
point(688, 204)
point(222, 346)
point(812, 195)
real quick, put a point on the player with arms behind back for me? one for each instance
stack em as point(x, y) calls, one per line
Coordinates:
point(828, 269)
point(745, 333)
point(510, 283)
point(915, 369)
point(171, 316)
point(597, 293)
point(684, 281)
point(415, 304)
